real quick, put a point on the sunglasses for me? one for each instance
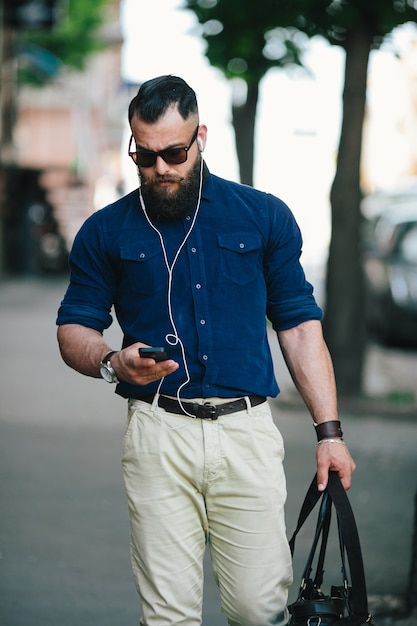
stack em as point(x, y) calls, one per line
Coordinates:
point(172, 156)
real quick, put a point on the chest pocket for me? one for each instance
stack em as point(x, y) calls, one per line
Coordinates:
point(239, 254)
point(144, 266)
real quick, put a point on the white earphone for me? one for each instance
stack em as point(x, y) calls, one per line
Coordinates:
point(200, 144)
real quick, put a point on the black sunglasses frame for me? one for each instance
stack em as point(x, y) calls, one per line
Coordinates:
point(150, 156)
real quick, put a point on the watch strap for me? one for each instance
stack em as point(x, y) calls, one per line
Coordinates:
point(106, 370)
point(108, 356)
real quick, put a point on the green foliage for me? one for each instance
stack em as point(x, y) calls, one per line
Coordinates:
point(73, 38)
point(246, 39)
point(333, 19)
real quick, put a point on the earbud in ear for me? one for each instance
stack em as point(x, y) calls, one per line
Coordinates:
point(200, 144)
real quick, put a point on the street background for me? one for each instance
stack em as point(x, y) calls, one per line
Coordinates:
point(64, 536)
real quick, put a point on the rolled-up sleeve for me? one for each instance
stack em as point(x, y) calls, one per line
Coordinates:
point(290, 299)
point(89, 297)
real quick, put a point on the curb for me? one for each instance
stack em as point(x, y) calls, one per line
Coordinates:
point(369, 407)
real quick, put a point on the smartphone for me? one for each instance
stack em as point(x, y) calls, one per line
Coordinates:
point(158, 354)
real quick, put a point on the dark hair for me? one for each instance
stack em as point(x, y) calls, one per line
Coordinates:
point(155, 96)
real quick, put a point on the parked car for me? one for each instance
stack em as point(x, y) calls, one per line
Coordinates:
point(390, 267)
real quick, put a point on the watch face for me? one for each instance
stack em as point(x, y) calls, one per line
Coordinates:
point(106, 374)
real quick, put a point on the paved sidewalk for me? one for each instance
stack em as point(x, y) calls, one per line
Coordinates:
point(64, 538)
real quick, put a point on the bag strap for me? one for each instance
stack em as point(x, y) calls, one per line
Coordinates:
point(350, 537)
point(348, 534)
point(318, 579)
point(312, 497)
point(343, 557)
point(322, 529)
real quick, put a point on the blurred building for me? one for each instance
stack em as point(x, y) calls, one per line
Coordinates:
point(68, 136)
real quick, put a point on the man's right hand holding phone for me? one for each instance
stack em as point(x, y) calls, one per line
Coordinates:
point(139, 364)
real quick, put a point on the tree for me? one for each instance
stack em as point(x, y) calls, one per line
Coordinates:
point(244, 41)
point(357, 26)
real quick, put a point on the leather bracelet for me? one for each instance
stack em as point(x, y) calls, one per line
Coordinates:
point(329, 429)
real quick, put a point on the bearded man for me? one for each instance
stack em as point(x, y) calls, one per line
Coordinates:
point(194, 265)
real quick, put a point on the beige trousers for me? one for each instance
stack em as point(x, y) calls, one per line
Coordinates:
point(190, 482)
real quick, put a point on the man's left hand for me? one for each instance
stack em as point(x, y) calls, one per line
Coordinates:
point(334, 456)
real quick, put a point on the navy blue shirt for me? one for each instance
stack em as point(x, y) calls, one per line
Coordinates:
point(239, 266)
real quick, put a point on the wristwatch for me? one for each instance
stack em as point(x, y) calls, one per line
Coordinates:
point(106, 370)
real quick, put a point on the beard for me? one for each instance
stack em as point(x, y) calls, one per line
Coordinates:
point(164, 205)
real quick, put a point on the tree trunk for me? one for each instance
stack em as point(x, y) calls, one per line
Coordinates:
point(344, 322)
point(244, 124)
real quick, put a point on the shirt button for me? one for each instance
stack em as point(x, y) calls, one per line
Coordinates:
point(188, 218)
point(205, 358)
point(142, 255)
point(202, 322)
point(198, 286)
point(241, 245)
point(193, 250)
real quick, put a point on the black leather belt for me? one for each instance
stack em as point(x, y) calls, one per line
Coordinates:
point(206, 411)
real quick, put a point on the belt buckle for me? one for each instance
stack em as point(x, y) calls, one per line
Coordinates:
point(207, 411)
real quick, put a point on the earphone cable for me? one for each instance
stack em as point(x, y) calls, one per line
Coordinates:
point(174, 338)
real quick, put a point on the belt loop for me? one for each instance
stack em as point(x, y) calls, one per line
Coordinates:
point(248, 405)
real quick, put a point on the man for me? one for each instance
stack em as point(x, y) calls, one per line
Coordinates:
point(194, 264)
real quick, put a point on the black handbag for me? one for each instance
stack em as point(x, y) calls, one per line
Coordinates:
point(347, 604)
